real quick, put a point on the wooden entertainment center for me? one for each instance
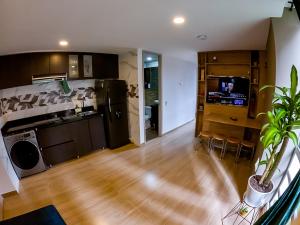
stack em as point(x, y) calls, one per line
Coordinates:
point(228, 119)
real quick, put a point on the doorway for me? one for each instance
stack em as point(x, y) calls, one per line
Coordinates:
point(151, 95)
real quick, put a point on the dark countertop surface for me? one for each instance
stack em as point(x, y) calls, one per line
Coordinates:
point(47, 120)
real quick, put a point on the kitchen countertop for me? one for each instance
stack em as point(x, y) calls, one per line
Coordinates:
point(46, 120)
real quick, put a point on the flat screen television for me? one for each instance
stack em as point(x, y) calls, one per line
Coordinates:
point(228, 90)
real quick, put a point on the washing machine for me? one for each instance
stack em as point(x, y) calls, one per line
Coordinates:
point(24, 153)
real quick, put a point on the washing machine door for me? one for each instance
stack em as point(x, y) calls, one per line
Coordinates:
point(25, 155)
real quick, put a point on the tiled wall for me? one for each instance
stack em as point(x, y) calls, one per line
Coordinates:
point(31, 100)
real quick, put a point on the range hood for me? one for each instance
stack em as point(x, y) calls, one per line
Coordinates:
point(46, 78)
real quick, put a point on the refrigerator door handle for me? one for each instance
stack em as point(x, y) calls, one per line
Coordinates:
point(109, 106)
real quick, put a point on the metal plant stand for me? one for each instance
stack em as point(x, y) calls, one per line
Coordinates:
point(234, 217)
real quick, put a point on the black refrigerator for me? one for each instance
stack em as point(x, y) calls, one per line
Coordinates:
point(112, 103)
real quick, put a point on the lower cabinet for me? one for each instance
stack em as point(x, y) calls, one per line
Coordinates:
point(71, 140)
point(81, 134)
point(97, 133)
point(59, 153)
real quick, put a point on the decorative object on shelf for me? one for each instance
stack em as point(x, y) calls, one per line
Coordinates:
point(283, 119)
point(87, 66)
point(73, 66)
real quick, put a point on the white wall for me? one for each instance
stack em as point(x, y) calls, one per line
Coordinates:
point(178, 92)
point(287, 45)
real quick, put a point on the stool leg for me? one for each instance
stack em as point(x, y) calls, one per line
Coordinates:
point(238, 152)
point(252, 154)
point(212, 145)
point(224, 150)
point(209, 144)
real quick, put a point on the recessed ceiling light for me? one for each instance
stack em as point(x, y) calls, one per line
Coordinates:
point(149, 58)
point(202, 37)
point(63, 43)
point(178, 20)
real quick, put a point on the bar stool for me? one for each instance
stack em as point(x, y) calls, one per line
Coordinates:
point(234, 142)
point(218, 141)
point(246, 145)
point(205, 135)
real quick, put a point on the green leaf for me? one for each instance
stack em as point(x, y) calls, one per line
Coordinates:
point(277, 139)
point(260, 114)
point(263, 162)
point(280, 115)
point(282, 89)
point(296, 123)
point(265, 87)
point(280, 106)
point(292, 135)
point(264, 127)
point(269, 135)
point(294, 81)
point(270, 116)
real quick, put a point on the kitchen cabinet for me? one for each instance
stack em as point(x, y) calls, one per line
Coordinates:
point(49, 63)
point(81, 135)
point(70, 140)
point(14, 71)
point(18, 69)
point(97, 134)
point(39, 63)
point(59, 63)
point(57, 144)
point(59, 153)
point(104, 66)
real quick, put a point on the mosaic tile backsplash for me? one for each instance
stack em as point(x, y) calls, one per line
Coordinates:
point(46, 95)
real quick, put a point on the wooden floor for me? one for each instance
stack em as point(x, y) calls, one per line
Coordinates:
point(163, 182)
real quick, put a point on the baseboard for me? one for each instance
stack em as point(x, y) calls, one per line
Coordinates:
point(170, 131)
point(8, 194)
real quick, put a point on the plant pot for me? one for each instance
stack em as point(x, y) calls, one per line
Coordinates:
point(254, 197)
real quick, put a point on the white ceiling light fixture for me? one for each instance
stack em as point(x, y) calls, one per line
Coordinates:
point(149, 58)
point(63, 43)
point(178, 20)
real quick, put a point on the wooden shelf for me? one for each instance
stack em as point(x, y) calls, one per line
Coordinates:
point(201, 80)
point(219, 118)
point(229, 64)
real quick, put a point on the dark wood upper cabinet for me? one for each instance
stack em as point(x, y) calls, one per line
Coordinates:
point(17, 70)
point(105, 66)
point(59, 63)
point(14, 70)
point(40, 63)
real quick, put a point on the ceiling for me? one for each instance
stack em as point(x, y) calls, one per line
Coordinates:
point(118, 25)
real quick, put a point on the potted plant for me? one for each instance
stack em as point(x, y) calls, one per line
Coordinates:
point(282, 120)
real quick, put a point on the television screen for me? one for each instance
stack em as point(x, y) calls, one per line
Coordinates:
point(228, 90)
